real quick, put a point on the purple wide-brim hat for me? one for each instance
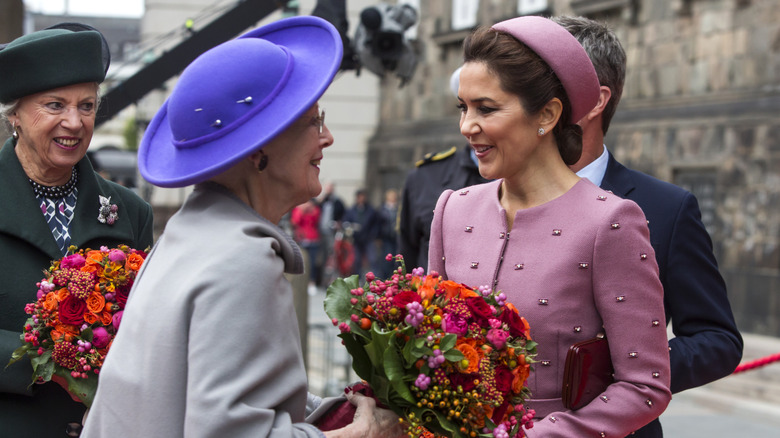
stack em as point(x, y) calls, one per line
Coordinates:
point(564, 54)
point(237, 96)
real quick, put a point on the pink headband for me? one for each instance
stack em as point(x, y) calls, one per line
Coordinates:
point(564, 54)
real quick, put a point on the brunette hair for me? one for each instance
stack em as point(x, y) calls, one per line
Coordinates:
point(522, 72)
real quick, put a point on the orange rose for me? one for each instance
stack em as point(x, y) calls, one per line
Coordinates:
point(520, 374)
point(50, 302)
point(62, 294)
point(466, 292)
point(134, 262)
point(471, 358)
point(451, 289)
point(55, 334)
point(94, 257)
point(106, 317)
point(91, 318)
point(96, 302)
point(428, 287)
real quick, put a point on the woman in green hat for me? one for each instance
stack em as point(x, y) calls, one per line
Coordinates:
point(51, 198)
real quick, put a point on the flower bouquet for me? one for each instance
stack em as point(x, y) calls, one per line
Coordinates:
point(77, 314)
point(449, 359)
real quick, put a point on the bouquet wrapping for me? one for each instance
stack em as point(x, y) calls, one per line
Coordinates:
point(449, 359)
point(79, 308)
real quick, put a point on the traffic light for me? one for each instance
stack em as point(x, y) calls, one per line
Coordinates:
point(380, 42)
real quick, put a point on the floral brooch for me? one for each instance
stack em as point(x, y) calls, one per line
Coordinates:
point(107, 211)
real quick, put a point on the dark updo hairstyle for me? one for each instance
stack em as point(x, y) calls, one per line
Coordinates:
point(523, 73)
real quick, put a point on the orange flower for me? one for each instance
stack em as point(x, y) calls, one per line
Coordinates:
point(50, 302)
point(105, 318)
point(471, 357)
point(91, 318)
point(520, 374)
point(62, 294)
point(465, 292)
point(94, 257)
point(451, 289)
point(428, 288)
point(134, 262)
point(96, 302)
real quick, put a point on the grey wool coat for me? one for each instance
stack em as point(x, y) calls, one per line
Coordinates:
point(26, 250)
point(209, 345)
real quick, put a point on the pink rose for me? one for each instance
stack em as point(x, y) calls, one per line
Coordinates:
point(117, 319)
point(72, 310)
point(497, 337)
point(73, 261)
point(117, 255)
point(454, 324)
point(100, 337)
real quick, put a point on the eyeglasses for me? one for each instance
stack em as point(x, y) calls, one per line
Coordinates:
point(320, 120)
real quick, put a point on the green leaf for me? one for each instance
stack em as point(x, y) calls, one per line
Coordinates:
point(360, 360)
point(337, 298)
point(18, 354)
point(45, 371)
point(84, 389)
point(86, 334)
point(395, 372)
point(379, 342)
point(409, 358)
point(43, 359)
point(448, 342)
point(454, 355)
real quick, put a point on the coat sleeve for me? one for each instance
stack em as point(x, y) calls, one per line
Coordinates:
point(241, 395)
point(707, 344)
point(629, 298)
point(436, 245)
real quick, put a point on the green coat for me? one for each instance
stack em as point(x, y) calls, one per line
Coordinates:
point(26, 249)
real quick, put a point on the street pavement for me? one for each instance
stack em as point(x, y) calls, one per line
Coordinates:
point(741, 405)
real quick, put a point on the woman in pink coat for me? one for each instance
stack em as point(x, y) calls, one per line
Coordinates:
point(579, 260)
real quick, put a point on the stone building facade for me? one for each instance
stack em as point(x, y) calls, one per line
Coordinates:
point(701, 109)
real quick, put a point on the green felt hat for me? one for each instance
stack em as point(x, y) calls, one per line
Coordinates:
point(49, 59)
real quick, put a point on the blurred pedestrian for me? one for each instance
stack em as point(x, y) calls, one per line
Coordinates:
point(331, 212)
point(305, 220)
point(388, 234)
point(365, 222)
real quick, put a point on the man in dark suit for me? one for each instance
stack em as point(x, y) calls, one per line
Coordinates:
point(707, 345)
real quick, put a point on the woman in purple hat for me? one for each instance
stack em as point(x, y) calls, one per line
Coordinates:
point(209, 345)
point(579, 259)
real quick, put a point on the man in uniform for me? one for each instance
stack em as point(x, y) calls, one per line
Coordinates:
point(452, 169)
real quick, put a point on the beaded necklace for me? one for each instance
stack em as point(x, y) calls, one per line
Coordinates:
point(55, 192)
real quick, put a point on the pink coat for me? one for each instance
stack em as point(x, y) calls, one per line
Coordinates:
point(573, 265)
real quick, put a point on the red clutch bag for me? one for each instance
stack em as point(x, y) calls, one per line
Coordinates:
point(342, 414)
point(587, 373)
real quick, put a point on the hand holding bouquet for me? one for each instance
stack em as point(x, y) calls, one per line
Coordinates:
point(78, 311)
point(448, 359)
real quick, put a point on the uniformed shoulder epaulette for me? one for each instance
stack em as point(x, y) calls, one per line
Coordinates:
point(436, 156)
